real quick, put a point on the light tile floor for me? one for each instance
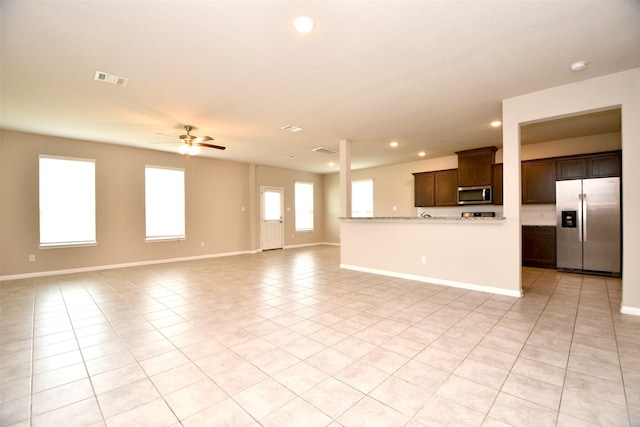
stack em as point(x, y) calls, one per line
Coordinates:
point(287, 338)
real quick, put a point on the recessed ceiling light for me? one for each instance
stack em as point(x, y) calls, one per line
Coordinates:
point(422, 154)
point(578, 66)
point(303, 24)
point(393, 144)
point(496, 123)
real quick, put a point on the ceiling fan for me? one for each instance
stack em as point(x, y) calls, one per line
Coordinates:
point(190, 144)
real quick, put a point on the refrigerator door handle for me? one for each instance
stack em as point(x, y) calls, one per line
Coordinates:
point(584, 217)
point(579, 217)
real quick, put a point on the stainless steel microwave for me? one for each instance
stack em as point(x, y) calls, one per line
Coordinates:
point(479, 195)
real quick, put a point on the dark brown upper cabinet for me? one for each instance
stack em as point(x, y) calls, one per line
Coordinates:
point(539, 182)
point(437, 188)
point(601, 165)
point(446, 183)
point(475, 167)
point(424, 189)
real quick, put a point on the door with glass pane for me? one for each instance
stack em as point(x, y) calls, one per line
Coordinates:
point(272, 219)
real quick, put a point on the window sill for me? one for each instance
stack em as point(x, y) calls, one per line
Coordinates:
point(164, 239)
point(66, 245)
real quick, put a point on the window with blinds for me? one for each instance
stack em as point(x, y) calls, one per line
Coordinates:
point(304, 206)
point(67, 196)
point(164, 203)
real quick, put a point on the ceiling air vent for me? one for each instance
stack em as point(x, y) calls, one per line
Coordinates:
point(324, 150)
point(111, 78)
point(291, 128)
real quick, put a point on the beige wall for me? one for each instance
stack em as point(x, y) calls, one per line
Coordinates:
point(286, 179)
point(331, 208)
point(566, 147)
point(216, 191)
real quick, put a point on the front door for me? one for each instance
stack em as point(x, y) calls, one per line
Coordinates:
point(271, 209)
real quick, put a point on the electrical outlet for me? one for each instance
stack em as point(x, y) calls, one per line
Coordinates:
point(202, 244)
point(424, 259)
point(395, 208)
point(32, 258)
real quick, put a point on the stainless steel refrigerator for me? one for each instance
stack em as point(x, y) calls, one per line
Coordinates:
point(588, 225)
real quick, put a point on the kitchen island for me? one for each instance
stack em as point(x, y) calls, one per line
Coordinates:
point(453, 251)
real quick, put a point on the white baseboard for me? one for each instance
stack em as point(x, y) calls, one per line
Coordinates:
point(634, 311)
point(114, 266)
point(139, 263)
point(435, 281)
point(304, 245)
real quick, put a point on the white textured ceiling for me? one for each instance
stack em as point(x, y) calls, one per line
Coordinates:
point(429, 74)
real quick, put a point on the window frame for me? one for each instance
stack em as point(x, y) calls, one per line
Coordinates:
point(310, 213)
point(352, 198)
point(92, 241)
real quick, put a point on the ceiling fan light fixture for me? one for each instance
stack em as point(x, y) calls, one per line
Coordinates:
point(193, 150)
point(183, 149)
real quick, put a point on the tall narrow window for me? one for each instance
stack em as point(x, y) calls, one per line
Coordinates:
point(67, 201)
point(164, 203)
point(362, 198)
point(304, 206)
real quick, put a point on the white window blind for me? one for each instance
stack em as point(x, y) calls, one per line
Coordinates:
point(67, 196)
point(164, 203)
point(304, 206)
point(362, 198)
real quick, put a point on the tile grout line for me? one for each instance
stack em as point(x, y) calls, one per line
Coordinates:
point(33, 351)
point(615, 335)
point(84, 362)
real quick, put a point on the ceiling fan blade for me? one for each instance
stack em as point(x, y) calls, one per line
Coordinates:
point(168, 136)
point(217, 147)
point(203, 138)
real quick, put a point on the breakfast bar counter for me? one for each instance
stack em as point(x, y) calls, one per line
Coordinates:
point(436, 249)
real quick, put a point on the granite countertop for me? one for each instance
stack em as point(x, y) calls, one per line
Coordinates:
point(419, 218)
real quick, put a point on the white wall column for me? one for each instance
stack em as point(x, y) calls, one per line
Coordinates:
point(345, 178)
point(512, 189)
point(254, 212)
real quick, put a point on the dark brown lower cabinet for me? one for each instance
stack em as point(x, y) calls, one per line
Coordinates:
point(539, 246)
